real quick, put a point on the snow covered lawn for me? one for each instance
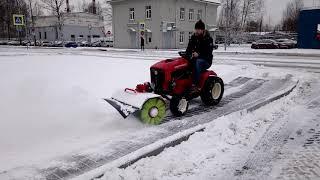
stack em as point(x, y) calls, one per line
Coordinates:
point(51, 105)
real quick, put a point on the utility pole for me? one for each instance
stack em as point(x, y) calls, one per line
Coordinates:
point(94, 8)
point(226, 25)
point(68, 6)
point(33, 24)
point(8, 19)
point(19, 28)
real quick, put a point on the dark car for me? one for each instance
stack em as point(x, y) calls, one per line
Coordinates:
point(286, 43)
point(71, 45)
point(265, 44)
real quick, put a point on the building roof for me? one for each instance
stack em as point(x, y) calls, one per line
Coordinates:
point(217, 2)
point(210, 1)
point(71, 14)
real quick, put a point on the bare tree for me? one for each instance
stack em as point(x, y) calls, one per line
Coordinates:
point(291, 16)
point(229, 19)
point(95, 7)
point(7, 9)
point(107, 13)
point(250, 9)
point(57, 9)
point(35, 11)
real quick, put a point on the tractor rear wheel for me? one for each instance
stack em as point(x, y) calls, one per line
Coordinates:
point(153, 111)
point(179, 106)
point(212, 91)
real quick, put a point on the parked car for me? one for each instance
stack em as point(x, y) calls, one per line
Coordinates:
point(3, 42)
point(26, 43)
point(14, 43)
point(265, 44)
point(97, 44)
point(84, 44)
point(286, 43)
point(57, 44)
point(71, 45)
point(45, 43)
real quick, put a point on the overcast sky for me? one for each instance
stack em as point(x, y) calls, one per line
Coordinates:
point(274, 9)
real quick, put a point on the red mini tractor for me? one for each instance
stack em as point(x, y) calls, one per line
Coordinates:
point(171, 80)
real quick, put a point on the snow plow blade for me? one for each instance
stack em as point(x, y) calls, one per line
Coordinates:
point(124, 109)
point(129, 101)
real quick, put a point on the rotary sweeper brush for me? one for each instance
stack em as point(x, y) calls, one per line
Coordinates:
point(171, 80)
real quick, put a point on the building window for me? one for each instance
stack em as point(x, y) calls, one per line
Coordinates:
point(150, 39)
point(199, 16)
point(182, 13)
point(148, 12)
point(81, 36)
point(191, 14)
point(131, 13)
point(190, 34)
point(73, 37)
point(40, 35)
point(181, 37)
point(45, 35)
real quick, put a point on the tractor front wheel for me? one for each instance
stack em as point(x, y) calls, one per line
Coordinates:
point(153, 111)
point(179, 106)
point(212, 91)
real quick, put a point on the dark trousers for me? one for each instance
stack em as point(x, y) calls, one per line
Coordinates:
point(200, 66)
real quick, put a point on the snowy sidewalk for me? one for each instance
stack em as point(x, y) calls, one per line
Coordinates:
point(278, 141)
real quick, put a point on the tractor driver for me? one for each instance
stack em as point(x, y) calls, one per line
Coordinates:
point(199, 52)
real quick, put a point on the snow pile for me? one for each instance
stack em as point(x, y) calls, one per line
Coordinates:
point(222, 149)
point(52, 105)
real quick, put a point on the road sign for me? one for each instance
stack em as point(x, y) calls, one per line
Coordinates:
point(18, 20)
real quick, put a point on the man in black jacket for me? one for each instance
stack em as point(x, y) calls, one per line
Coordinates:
point(199, 51)
point(142, 43)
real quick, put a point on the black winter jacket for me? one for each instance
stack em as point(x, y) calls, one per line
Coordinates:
point(202, 45)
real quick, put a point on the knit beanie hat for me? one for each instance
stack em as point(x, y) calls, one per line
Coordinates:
point(200, 25)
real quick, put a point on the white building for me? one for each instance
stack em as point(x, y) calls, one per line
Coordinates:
point(76, 26)
point(162, 23)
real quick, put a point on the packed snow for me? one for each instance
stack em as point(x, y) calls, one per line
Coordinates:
point(52, 105)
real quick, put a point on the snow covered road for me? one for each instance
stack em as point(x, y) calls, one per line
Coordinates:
point(53, 118)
